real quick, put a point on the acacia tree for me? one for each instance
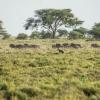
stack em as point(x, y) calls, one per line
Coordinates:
point(95, 31)
point(52, 20)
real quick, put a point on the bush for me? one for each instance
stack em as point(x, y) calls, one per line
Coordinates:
point(22, 36)
point(6, 36)
point(45, 35)
point(75, 35)
point(34, 35)
point(40, 35)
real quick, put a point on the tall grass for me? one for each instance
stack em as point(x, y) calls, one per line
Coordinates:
point(45, 74)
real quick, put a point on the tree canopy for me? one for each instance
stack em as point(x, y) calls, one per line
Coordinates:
point(51, 20)
point(95, 31)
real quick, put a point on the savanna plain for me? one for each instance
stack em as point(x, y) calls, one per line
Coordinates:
point(46, 74)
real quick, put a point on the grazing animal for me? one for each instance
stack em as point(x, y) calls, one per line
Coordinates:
point(75, 45)
point(19, 46)
point(60, 51)
point(66, 45)
point(25, 46)
point(78, 45)
point(95, 45)
point(12, 45)
point(34, 46)
point(57, 46)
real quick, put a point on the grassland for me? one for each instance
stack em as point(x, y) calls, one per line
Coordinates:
point(46, 74)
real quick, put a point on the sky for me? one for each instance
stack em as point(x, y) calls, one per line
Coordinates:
point(13, 13)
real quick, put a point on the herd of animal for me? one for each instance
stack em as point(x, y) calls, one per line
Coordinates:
point(24, 46)
point(54, 46)
point(66, 45)
point(95, 45)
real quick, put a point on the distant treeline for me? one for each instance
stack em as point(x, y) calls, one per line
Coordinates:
point(55, 23)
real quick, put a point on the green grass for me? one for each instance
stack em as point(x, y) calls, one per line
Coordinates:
point(45, 74)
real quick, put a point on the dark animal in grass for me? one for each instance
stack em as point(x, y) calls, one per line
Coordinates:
point(26, 46)
point(15, 46)
point(12, 45)
point(79, 46)
point(30, 46)
point(60, 51)
point(95, 45)
point(65, 45)
point(35, 46)
point(19, 46)
point(75, 45)
point(57, 46)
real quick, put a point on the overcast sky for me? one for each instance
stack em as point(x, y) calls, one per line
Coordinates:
point(14, 12)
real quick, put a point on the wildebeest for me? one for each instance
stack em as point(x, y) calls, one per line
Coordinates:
point(20, 46)
point(35, 46)
point(16, 46)
point(95, 45)
point(26, 46)
point(12, 45)
point(75, 45)
point(65, 45)
point(57, 46)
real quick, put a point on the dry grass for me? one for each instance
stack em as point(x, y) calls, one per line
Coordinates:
point(45, 74)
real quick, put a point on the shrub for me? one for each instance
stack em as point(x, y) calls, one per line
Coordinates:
point(6, 36)
point(45, 35)
point(34, 35)
point(75, 35)
point(22, 36)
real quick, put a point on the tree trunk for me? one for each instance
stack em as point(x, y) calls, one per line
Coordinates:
point(53, 35)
